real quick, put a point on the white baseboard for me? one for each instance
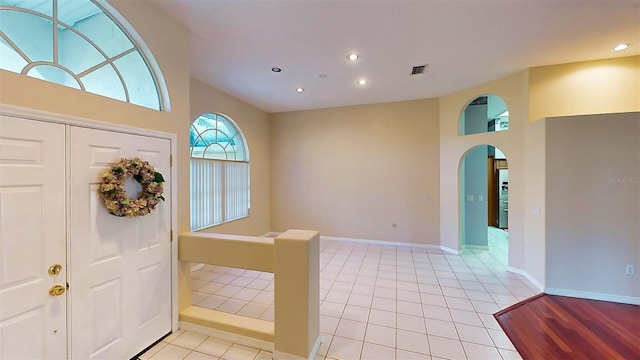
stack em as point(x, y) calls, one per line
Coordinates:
point(392, 243)
point(528, 276)
point(197, 267)
point(449, 250)
point(249, 341)
point(593, 296)
point(378, 242)
point(316, 347)
point(277, 355)
point(224, 335)
point(385, 242)
point(475, 247)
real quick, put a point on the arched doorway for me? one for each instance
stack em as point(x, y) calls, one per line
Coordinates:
point(484, 201)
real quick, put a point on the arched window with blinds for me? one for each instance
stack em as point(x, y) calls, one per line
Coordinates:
point(219, 171)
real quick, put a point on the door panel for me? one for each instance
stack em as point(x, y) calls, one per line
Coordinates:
point(32, 238)
point(121, 267)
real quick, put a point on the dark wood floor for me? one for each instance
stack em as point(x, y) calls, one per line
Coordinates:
point(558, 327)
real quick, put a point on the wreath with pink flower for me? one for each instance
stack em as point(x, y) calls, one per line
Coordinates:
point(113, 191)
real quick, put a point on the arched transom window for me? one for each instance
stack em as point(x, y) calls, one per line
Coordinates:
point(76, 43)
point(219, 171)
point(214, 136)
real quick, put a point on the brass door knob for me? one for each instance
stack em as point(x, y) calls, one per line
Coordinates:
point(55, 269)
point(56, 290)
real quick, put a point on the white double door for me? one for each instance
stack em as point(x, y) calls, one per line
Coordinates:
point(116, 271)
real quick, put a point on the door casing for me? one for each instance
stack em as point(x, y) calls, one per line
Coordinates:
point(31, 114)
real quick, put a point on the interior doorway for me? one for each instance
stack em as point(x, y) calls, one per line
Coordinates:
point(484, 201)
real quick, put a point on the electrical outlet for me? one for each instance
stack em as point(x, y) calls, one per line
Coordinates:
point(629, 270)
point(394, 225)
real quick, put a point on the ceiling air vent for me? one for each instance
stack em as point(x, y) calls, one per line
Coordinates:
point(417, 70)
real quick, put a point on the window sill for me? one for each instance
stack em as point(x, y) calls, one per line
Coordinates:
point(222, 223)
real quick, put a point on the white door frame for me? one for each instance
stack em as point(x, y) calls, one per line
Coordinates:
point(31, 114)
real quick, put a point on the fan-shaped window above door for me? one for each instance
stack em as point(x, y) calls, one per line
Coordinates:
point(76, 43)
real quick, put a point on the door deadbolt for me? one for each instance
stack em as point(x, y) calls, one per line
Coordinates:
point(56, 290)
point(55, 269)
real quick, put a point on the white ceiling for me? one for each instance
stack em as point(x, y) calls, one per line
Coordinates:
point(236, 43)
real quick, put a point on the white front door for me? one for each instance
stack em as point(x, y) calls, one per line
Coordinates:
point(32, 238)
point(120, 268)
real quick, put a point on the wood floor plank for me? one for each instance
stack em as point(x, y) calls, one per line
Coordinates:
point(558, 327)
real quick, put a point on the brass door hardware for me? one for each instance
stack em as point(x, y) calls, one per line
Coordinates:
point(56, 290)
point(55, 269)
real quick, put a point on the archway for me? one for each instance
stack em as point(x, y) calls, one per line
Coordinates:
point(484, 201)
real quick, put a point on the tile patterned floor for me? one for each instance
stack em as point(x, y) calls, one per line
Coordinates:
point(377, 302)
point(238, 291)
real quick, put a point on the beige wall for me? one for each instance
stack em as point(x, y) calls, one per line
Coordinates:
point(157, 30)
point(598, 86)
point(453, 147)
point(254, 124)
point(534, 200)
point(591, 87)
point(593, 187)
point(353, 171)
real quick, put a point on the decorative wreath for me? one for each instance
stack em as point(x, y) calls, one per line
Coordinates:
point(113, 191)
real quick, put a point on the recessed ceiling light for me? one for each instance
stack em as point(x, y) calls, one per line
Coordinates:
point(353, 57)
point(621, 47)
point(276, 69)
point(299, 90)
point(362, 82)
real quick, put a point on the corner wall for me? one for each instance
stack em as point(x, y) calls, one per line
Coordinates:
point(593, 207)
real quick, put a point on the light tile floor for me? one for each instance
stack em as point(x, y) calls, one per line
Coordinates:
point(238, 291)
point(377, 302)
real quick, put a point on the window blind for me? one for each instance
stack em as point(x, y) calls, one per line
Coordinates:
point(206, 192)
point(237, 190)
